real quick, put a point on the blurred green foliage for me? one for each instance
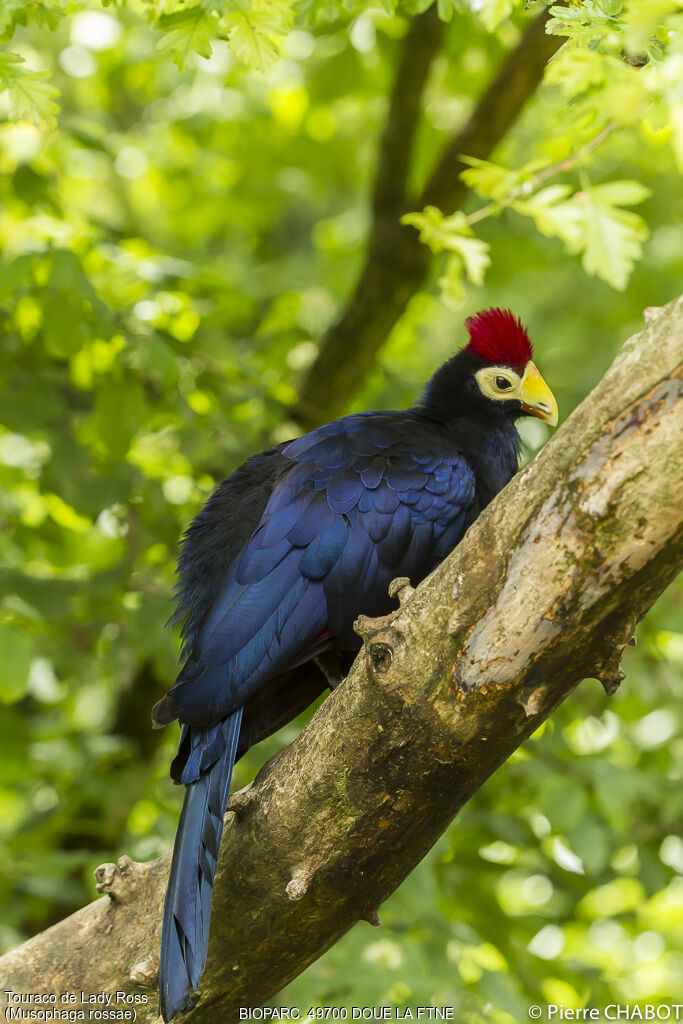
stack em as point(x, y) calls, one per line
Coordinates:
point(174, 243)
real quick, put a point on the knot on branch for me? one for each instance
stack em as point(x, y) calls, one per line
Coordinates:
point(372, 917)
point(367, 627)
point(381, 657)
point(116, 880)
point(378, 638)
point(242, 800)
point(401, 588)
point(459, 682)
point(533, 699)
point(144, 973)
point(298, 884)
point(635, 60)
point(611, 675)
point(607, 668)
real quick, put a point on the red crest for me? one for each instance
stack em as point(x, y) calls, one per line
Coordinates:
point(497, 336)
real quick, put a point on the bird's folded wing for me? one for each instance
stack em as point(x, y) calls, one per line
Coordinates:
point(364, 499)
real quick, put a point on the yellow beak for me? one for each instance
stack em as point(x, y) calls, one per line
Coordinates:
point(537, 398)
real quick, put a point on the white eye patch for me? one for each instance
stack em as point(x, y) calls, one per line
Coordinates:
point(499, 382)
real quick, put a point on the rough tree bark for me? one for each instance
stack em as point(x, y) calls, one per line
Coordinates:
point(397, 262)
point(545, 590)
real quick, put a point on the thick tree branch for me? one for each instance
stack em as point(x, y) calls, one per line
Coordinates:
point(545, 589)
point(397, 262)
point(420, 45)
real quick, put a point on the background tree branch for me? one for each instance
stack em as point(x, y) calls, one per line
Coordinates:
point(397, 262)
point(545, 590)
point(419, 47)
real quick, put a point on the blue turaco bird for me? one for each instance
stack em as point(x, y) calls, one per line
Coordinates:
point(290, 549)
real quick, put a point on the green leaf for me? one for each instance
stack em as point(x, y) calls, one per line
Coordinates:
point(14, 275)
point(428, 224)
point(17, 651)
point(612, 8)
point(612, 241)
point(31, 95)
point(581, 24)
point(64, 515)
point(327, 11)
point(12, 12)
point(590, 841)
point(564, 802)
point(119, 415)
point(554, 217)
point(621, 193)
point(488, 180)
point(475, 256)
point(591, 223)
point(437, 231)
point(21, 12)
point(250, 44)
point(492, 181)
point(186, 32)
point(70, 306)
point(453, 235)
point(411, 6)
point(494, 11)
point(15, 741)
point(575, 71)
point(451, 283)
point(446, 8)
point(257, 30)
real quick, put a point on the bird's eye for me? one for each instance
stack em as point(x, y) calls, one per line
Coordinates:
point(502, 383)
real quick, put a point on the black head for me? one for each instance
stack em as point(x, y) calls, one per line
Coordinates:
point(493, 378)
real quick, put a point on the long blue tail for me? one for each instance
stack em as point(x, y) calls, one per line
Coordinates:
point(187, 910)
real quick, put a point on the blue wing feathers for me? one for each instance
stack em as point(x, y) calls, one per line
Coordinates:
point(376, 524)
point(274, 527)
point(352, 560)
point(366, 502)
point(343, 491)
point(257, 562)
point(401, 477)
point(348, 507)
point(314, 521)
point(393, 546)
point(385, 499)
point(435, 485)
point(351, 488)
point(322, 553)
point(371, 475)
